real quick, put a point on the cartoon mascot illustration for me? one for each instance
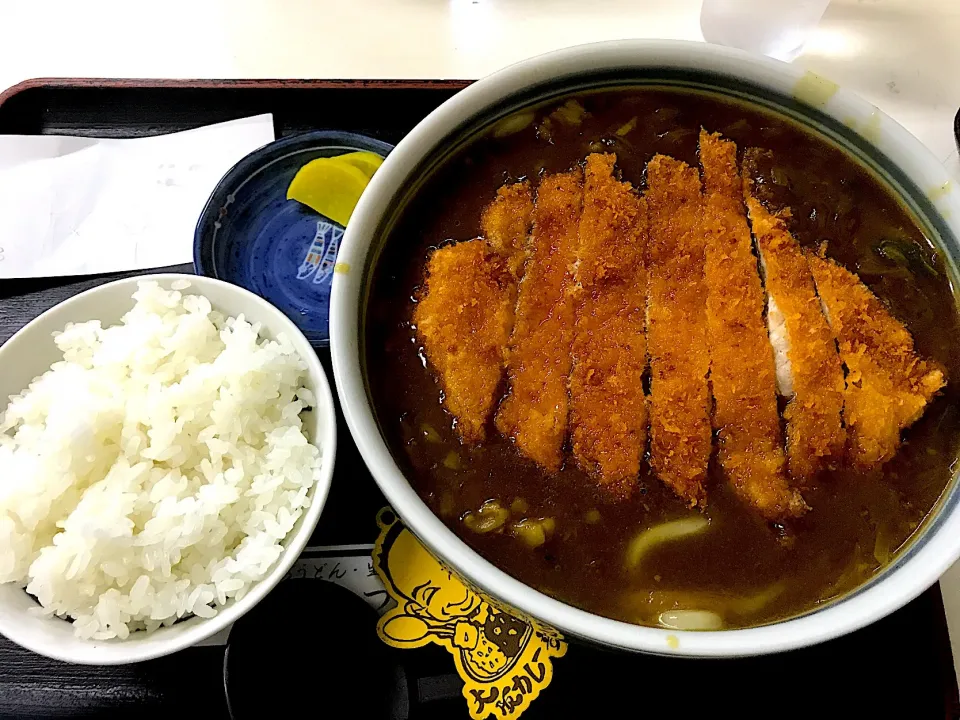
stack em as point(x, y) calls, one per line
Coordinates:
point(504, 661)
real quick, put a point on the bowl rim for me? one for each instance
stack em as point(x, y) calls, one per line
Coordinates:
point(140, 647)
point(893, 588)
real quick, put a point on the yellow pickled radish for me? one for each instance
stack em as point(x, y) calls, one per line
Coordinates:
point(367, 162)
point(331, 188)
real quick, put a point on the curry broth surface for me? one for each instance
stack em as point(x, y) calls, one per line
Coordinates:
point(740, 567)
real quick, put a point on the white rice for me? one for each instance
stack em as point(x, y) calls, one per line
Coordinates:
point(153, 473)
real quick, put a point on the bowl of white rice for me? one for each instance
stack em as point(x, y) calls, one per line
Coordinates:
point(166, 447)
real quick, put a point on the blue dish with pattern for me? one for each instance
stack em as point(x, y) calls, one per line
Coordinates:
point(249, 234)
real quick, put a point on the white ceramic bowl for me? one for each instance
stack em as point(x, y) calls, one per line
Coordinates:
point(880, 142)
point(31, 351)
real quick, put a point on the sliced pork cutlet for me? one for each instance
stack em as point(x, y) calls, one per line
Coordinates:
point(465, 314)
point(809, 372)
point(534, 413)
point(463, 319)
point(742, 372)
point(505, 224)
point(888, 385)
point(680, 432)
point(608, 414)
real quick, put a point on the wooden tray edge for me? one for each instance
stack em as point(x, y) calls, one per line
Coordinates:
point(59, 83)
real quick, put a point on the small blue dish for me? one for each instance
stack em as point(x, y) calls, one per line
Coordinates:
point(249, 234)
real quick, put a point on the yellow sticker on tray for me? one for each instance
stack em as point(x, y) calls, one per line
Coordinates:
point(504, 661)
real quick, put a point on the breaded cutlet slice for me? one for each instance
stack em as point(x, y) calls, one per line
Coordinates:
point(505, 224)
point(608, 414)
point(680, 432)
point(463, 319)
point(742, 373)
point(465, 316)
point(809, 372)
point(888, 384)
point(534, 414)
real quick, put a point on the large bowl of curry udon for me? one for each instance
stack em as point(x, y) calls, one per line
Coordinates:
point(657, 343)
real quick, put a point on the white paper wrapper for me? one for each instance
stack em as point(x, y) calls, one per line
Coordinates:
point(75, 206)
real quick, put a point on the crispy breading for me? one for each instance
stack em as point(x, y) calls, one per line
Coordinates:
point(534, 414)
point(742, 373)
point(505, 224)
point(815, 433)
point(463, 319)
point(608, 414)
point(888, 385)
point(465, 315)
point(680, 433)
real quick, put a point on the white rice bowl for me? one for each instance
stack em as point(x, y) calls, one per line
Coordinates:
point(155, 472)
